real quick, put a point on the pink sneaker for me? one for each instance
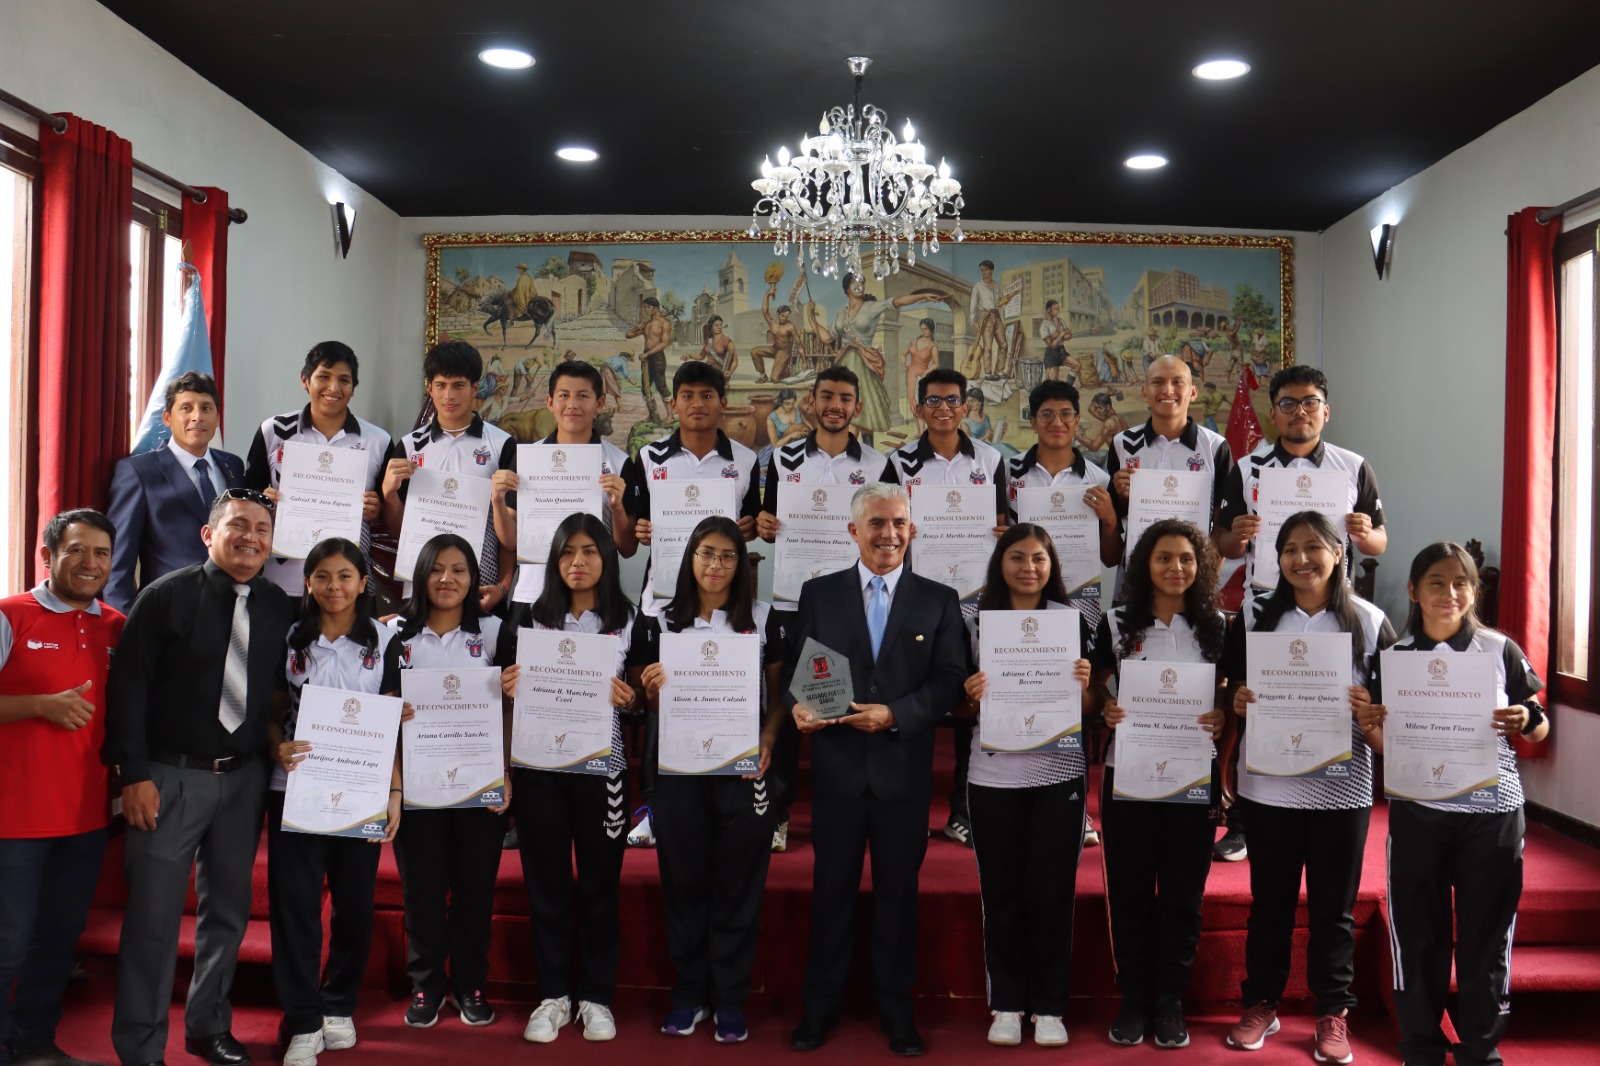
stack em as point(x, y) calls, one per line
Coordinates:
point(1254, 1026)
point(1333, 1039)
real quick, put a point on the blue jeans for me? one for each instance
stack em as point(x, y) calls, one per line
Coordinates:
point(47, 884)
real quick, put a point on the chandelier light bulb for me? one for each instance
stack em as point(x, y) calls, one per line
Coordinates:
point(911, 133)
point(766, 166)
point(783, 155)
point(822, 127)
point(944, 170)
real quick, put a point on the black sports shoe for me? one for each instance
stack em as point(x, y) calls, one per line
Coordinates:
point(1128, 1029)
point(957, 828)
point(1169, 1030)
point(1231, 847)
point(424, 1010)
point(474, 1008)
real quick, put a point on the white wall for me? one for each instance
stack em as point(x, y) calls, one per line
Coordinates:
point(287, 287)
point(1417, 362)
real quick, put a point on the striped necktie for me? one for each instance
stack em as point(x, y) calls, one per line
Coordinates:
point(236, 674)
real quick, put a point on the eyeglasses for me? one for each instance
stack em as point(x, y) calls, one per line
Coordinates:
point(709, 558)
point(248, 496)
point(936, 402)
point(1308, 404)
point(1053, 416)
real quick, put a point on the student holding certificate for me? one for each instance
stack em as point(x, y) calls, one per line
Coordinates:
point(1027, 811)
point(336, 644)
point(1470, 849)
point(714, 835)
point(1311, 824)
point(1157, 855)
point(564, 816)
point(452, 853)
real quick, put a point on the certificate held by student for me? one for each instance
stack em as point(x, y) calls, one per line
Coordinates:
point(1439, 738)
point(1163, 753)
point(562, 712)
point(1032, 701)
point(341, 788)
point(710, 704)
point(454, 748)
point(1299, 724)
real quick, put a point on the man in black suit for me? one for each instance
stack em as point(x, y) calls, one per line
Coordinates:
point(159, 499)
point(190, 695)
point(872, 770)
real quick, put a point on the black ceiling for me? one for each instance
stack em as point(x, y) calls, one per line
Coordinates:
point(1034, 102)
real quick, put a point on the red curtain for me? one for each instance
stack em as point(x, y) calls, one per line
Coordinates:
point(205, 231)
point(80, 420)
point(1528, 494)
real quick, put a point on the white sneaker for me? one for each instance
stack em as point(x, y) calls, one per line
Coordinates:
point(338, 1033)
point(1048, 1031)
point(598, 1024)
point(302, 1050)
point(641, 836)
point(1006, 1029)
point(546, 1020)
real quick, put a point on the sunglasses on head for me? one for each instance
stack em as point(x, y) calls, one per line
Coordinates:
point(248, 496)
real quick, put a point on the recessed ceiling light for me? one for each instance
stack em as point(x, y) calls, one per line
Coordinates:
point(1145, 162)
point(578, 155)
point(1222, 69)
point(506, 58)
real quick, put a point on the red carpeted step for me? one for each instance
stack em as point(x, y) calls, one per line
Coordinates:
point(1554, 967)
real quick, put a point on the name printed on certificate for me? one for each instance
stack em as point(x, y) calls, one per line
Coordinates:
point(955, 535)
point(562, 716)
point(441, 503)
point(1299, 725)
point(341, 788)
point(1031, 701)
point(711, 703)
point(813, 536)
point(1439, 742)
point(1074, 528)
point(553, 482)
point(676, 507)
point(1157, 494)
point(320, 492)
point(1281, 493)
point(453, 749)
point(1162, 752)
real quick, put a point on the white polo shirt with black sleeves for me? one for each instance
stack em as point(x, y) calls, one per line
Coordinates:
point(975, 463)
point(801, 462)
point(1024, 472)
point(1515, 683)
point(1142, 448)
point(668, 458)
point(530, 576)
point(351, 665)
point(477, 451)
point(263, 468)
point(1244, 486)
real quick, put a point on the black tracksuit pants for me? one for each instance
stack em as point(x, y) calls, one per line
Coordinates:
point(448, 862)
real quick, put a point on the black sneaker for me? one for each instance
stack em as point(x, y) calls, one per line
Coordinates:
point(474, 1008)
point(959, 830)
point(1231, 847)
point(424, 1010)
point(1128, 1029)
point(1169, 1030)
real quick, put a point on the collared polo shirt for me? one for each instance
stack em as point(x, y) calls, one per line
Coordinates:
point(52, 783)
point(530, 576)
point(975, 463)
point(342, 663)
point(477, 451)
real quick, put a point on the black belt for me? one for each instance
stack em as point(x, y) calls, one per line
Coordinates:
point(225, 765)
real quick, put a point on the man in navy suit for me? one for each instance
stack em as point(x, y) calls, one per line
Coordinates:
point(872, 770)
point(160, 499)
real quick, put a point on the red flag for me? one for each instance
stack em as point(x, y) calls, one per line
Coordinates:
point(1244, 428)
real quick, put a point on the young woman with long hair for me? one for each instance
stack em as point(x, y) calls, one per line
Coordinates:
point(1027, 813)
point(1457, 850)
point(336, 644)
point(579, 816)
point(448, 859)
point(1314, 826)
point(714, 837)
point(1157, 855)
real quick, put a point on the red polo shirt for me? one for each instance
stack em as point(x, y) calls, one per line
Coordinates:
point(51, 781)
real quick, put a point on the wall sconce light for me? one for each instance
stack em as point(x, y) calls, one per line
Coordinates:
point(344, 227)
point(1382, 246)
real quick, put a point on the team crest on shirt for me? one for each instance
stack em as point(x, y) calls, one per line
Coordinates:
point(857, 478)
point(280, 454)
point(977, 477)
point(416, 459)
point(658, 474)
point(730, 470)
point(475, 646)
point(369, 658)
point(793, 479)
point(297, 662)
point(405, 653)
point(480, 455)
point(1197, 462)
point(1131, 463)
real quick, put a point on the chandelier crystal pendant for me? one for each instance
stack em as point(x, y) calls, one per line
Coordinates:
point(853, 182)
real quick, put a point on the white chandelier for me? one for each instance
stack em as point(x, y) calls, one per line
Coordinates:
point(853, 182)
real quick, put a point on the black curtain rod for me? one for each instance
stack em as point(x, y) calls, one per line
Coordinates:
point(1571, 205)
point(59, 124)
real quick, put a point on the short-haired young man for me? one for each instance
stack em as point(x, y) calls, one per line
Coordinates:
point(159, 499)
point(56, 644)
point(699, 450)
point(829, 455)
point(329, 377)
point(457, 441)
